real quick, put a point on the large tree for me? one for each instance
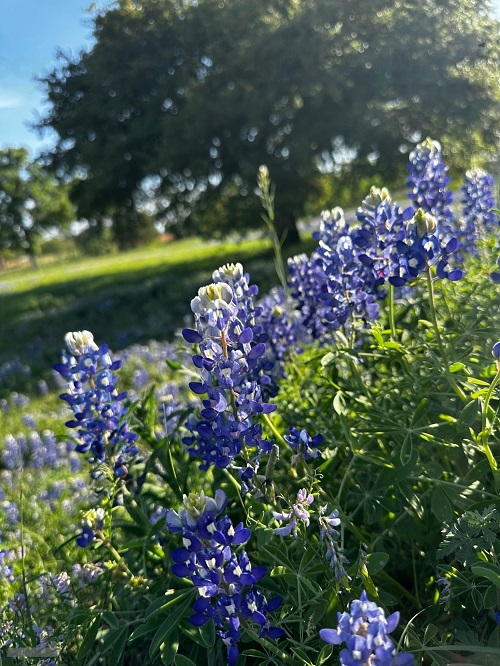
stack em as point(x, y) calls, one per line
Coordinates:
point(178, 103)
point(32, 202)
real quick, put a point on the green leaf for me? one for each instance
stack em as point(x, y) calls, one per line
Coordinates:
point(420, 411)
point(339, 404)
point(406, 449)
point(457, 367)
point(181, 660)
point(375, 562)
point(169, 648)
point(170, 623)
point(441, 505)
point(146, 628)
point(301, 655)
point(324, 655)
point(111, 619)
point(327, 359)
point(368, 583)
point(490, 597)
point(173, 365)
point(207, 633)
point(430, 631)
point(477, 599)
point(120, 641)
point(469, 413)
point(253, 653)
point(489, 571)
point(168, 599)
point(89, 638)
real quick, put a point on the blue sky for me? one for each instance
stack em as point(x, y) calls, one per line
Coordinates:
point(31, 31)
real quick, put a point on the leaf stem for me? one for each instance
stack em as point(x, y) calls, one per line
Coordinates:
point(442, 350)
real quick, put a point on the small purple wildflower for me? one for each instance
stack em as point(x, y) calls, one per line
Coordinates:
point(329, 536)
point(303, 445)
point(297, 514)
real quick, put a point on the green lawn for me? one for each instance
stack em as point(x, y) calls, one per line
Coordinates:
point(125, 298)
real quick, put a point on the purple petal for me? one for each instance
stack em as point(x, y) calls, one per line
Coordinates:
point(330, 636)
point(191, 336)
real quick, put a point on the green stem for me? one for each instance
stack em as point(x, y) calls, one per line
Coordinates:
point(485, 431)
point(439, 341)
point(392, 313)
point(274, 430)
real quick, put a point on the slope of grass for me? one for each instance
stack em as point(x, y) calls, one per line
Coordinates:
point(122, 299)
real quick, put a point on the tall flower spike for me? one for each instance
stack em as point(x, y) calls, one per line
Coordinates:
point(233, 374)
point(329, 535)
point(428, 186)
point(225, 580)
point(99, 412)
point(478, 201)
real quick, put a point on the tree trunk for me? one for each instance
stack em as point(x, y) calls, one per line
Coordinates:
point(33, 259)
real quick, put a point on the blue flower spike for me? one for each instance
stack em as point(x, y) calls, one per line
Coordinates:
point(225, 580)
point(365, 631)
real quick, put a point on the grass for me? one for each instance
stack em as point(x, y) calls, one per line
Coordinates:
point(130, 297)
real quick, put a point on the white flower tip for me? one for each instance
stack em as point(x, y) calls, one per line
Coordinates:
point(80, 342)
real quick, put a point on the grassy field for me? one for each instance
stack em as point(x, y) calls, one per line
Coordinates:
point(125, 298)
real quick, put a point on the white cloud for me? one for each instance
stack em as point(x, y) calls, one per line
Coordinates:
point(10, 102)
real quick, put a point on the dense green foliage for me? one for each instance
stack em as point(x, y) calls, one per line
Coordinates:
point(32, 202)
point(177, 104)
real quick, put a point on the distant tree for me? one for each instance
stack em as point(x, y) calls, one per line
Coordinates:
point(182, 101)
point(32, 201)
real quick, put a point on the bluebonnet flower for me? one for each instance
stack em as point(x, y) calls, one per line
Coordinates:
point(383, 238)
point(19, 605)
point(351, 283)
point(225, 580)
point(444, 583)
point(421, 247)
point(478, 200)
point(365, 631)
point(308, 288)
point(97, 406)
point(92, 525)
point(296, 515)
point(284, 331)
point(19, 399)
point(86, 574)
point(232, 366)
point(13, 372)
point(304, 446)
point(428, 187)
point(329, 536)
point(7, 558)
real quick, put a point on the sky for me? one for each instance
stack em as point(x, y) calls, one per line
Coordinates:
point(31, 32)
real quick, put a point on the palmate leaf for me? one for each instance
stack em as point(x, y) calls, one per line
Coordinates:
point(473, 531)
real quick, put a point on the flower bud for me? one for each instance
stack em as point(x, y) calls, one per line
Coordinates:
point(80, 342)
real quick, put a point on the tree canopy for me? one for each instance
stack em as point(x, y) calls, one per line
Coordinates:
point(178, 103)
point(32, 201)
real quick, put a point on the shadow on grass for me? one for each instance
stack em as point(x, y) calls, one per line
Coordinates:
point(120, 309)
